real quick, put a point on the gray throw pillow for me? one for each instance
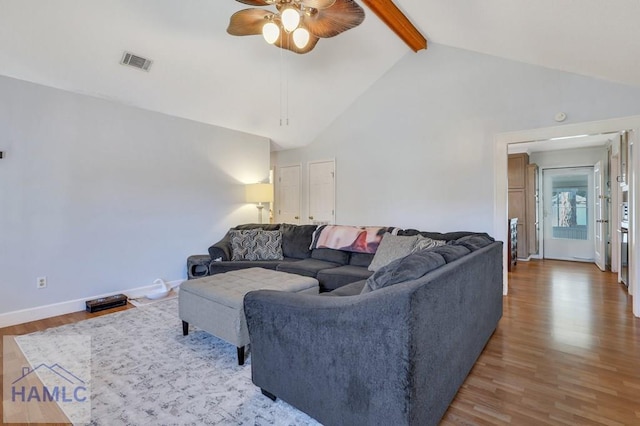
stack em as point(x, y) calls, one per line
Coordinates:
point(242, 242)
point(426, 243)
point(268, 246)
point(407, 268)
point(391, 247)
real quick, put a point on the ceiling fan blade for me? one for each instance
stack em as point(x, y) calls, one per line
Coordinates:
point(342, 16)
point(318, 4)
point(257, 2)
point(247, 22)
point(287, 43)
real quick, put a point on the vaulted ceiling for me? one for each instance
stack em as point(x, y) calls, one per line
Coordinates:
point(202, 73)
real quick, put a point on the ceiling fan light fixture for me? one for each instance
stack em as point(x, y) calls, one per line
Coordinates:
point(301, 37)
point(290, 19)
point(270, 32)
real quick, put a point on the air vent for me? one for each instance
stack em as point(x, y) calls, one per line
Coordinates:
point(136, 61)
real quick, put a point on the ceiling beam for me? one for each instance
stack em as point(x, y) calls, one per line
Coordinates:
point(389, 13)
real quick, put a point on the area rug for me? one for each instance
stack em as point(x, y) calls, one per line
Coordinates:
point(144, 371)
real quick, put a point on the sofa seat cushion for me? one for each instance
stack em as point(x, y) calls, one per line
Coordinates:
point(306, 267)
point(352, 289)
point(404, 269)
point(331, 279)
point(220, 267)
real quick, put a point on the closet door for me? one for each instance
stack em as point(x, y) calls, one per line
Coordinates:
point(288, 194)
point(322, 188)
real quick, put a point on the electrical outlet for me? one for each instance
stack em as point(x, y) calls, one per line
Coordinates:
point(41, 282)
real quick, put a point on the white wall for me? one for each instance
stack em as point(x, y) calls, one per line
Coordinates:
point(417, 149)
point(100, 197)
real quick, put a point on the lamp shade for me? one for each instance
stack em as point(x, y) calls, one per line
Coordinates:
point(259, 193)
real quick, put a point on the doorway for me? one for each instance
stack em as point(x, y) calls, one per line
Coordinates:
point(568, 214)
point(502, 142)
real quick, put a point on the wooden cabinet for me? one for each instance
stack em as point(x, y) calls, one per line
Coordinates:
point(517, 170)
point(523, 178)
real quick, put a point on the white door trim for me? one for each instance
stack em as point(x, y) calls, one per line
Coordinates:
point(500, 195)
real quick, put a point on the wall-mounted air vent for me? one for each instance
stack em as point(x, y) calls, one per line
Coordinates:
point(136, 61)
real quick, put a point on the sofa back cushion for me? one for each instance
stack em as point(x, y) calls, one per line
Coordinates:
point(475, 241)
point(448, 236)
point(330, 255)
point(361, 259)
point(407, 268)
point(264, 226)
point(296, 240)
point(451, 252)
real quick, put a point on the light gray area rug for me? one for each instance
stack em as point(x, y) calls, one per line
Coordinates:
point(144, 372)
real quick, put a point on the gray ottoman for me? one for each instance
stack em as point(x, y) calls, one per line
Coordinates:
point(215, 303)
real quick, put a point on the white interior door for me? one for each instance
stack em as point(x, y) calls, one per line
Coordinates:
point(568, 214)
point(601, 218)
point(322, 189)
point(288, 194)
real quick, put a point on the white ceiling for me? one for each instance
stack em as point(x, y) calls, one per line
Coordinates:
point(202, 73)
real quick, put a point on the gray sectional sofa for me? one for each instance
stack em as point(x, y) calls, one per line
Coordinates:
point(332, 268)
point(388, 353)
point(386, 348)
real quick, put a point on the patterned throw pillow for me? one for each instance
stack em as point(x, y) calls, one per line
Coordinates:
point(268, 246)
point(426, 243)
point(242, 242)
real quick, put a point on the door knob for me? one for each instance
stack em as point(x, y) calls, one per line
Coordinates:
point(296, 217)
point(311, 217)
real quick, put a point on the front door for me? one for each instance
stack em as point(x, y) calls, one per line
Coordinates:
point(568, 214)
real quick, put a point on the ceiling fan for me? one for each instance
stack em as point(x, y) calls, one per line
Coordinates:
point(296, 25)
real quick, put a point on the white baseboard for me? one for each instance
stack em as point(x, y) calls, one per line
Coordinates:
point(48, 311)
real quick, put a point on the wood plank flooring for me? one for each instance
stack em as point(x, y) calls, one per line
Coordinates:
point(50, 413)
point(566, 352)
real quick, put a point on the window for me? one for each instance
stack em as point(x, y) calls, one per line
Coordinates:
point(569, 212)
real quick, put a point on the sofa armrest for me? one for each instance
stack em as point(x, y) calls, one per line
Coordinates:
point(333, 355)
point(222, 249)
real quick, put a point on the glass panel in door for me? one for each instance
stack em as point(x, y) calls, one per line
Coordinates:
point(568, 214)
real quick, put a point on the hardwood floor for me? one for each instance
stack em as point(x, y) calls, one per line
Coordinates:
point(49, 413)
point(566, 352)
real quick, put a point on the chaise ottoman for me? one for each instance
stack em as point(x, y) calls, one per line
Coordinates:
point(215, 303)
